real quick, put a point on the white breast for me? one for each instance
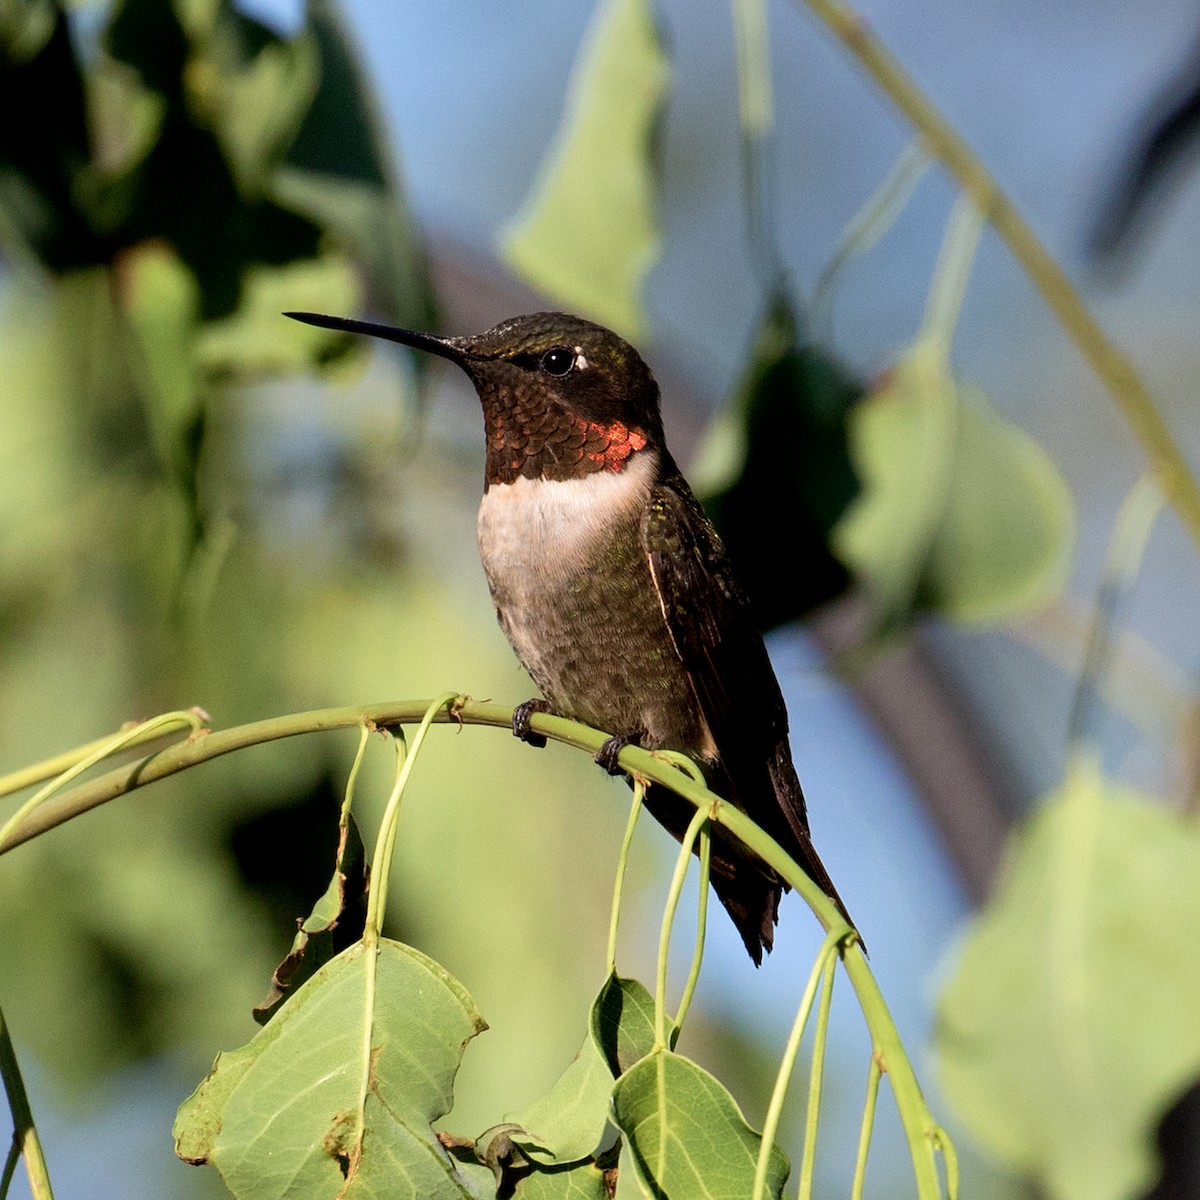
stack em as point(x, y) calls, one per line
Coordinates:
point(544, 526)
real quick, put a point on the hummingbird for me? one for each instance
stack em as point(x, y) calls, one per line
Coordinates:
point(615, 590)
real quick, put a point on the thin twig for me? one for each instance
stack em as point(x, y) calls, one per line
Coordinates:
point(868, 1126)
point(664, 937)
point(826, 954)
point(815, 1080)
point(25, 1133)
point(1110, 364)
point(635, 811)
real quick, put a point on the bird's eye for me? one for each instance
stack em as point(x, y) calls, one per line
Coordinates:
point(558, 360)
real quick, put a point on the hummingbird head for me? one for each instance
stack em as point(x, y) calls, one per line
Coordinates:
point(562, 397)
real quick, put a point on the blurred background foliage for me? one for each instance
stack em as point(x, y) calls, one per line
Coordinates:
point(202, 503)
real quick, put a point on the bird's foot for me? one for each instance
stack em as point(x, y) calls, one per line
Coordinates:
point(608, 754)
point(520, 721)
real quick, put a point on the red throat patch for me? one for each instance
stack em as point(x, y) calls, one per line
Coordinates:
point(610, 445)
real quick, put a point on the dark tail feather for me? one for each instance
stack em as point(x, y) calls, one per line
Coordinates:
point(752, 901)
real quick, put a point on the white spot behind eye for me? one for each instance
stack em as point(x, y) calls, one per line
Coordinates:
point(580, 361)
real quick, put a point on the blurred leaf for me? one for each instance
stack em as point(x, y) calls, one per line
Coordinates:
point(373, 226)
point(26, 26)
point(589, 233)
point(160, 300)
point(277, 1117)
point(120, 946)
point(312, 947)
point(1006, 537)
point(1069, 1025)
point(256, 340)
point(960, 510)
point(125, 121)
point(688, 1139)
point(779, 446)
point(255, 102)
point(623, 1023)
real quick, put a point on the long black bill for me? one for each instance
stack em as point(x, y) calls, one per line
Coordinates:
point(445, 347)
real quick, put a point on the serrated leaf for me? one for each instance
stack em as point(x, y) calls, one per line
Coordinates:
point(689, 1140)
point(960, 511)
point(1069, 1025)
point(589, 233)
point(277, 1117)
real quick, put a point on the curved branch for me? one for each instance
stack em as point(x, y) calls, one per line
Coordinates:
point(921, 1132)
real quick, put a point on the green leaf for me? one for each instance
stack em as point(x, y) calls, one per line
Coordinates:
point(623, 1023)
point(689, 1141)
point(1070, 1024)
point(960, 510)
point(589, 233)
point(567, 1124)
point(278, 1117)
point(580, 1181)
point(1004, 545)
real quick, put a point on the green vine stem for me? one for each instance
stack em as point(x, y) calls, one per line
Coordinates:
point(689, 988)
point(816, 1081)
point(826, 955)
point(377, 895)
point(1127, 543)
point(635, 811)
point(868, 1125)
point(866, 229)
point(134, 735)
point(922, 1133)
point(664, 936)
point(25, 1135)
point(945, 1147)
point(1110, 364)
point(950, 277)
point(88, 756)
